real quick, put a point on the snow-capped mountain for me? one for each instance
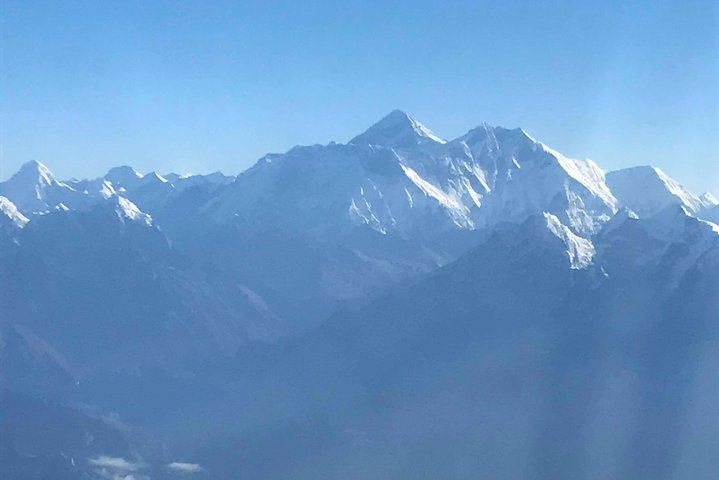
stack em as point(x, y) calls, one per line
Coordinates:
point(401, 179)
point(123, 177)
point(398, 130)
point(33, 189)
point(648, 190)
point(351, 219)
point(153, 191)
point(396, 178)
point(461, 301)
point(526, 177)
point(378, 213)
point(394, 202)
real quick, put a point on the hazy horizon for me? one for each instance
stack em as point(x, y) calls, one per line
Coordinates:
point(196, 88)
point(209, 168)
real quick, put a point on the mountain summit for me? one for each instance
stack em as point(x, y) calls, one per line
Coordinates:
point(647, 190)
point(397, 130)
point(34, 188)
point(35, 172)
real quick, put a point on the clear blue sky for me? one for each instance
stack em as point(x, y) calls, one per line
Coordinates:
point(201, 86)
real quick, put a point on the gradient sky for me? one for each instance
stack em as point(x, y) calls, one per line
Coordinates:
point(211, 85)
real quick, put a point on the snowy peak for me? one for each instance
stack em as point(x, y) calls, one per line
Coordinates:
point(35, 173)
point(648, 190)
point(123, 177)
point(33, 189)
point(486, 137)
point(396, 178)
point(397, 130)
point(420, 184)
point(525, 177)
point(33, 177)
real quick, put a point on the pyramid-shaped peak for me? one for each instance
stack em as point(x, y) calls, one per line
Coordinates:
point(396, 116)
point(34, 172)
point(33, 189)
point(397, 129)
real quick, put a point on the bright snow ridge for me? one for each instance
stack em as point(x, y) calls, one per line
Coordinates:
point(579, 250)
point(9, 209)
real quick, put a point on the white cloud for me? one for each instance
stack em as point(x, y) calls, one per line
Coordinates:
point(116, 468)
point(114, 462)
point(184, 467)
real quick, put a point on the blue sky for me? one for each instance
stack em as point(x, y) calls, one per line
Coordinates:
point(202, 86)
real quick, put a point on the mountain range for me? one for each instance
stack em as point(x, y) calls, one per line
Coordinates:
point(397, 306)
